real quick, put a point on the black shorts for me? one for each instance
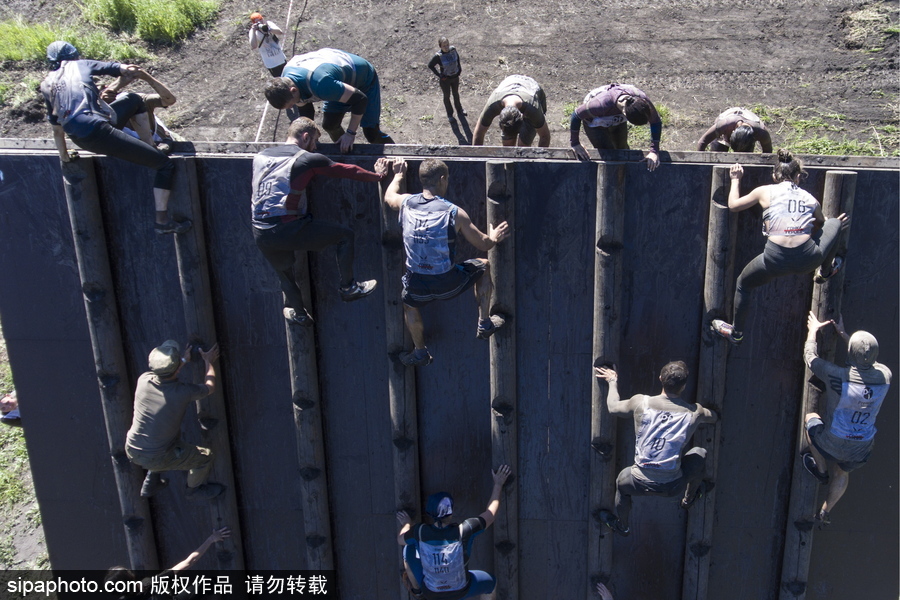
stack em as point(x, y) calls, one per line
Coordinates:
point(419, 290)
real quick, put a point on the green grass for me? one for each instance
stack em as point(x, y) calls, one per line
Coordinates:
point(152, 20)
point(13, 461)
point(568, 109)
point(17, 89)
point(22, 41)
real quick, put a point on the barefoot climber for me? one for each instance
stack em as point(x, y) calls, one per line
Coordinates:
point(430, 225)
point(663, 427)
point(282, 223)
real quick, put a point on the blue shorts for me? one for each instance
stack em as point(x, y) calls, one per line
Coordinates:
point(479, 581)
point(372, 89)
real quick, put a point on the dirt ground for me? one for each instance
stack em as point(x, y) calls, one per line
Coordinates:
point(805, 61)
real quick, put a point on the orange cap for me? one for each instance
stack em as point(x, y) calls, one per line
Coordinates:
point(256, 17)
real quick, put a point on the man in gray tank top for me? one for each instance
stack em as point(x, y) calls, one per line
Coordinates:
point(430, 227)
point(842, 437)
point(663, 427)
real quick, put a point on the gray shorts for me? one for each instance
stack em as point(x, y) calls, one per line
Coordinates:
point(816, 429)
point(419, 289)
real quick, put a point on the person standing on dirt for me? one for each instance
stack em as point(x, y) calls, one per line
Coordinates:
point(663, 427)
point(790, 216)
point(75, 108)
point(445, 64)
point(435, 556)
point(521, 105)
point(160, 401)
point(841, 438)
point(282, 223)
point(605, 114)
point(267, 37)
point(430, 227)
point(345, 82)
point(736, 128)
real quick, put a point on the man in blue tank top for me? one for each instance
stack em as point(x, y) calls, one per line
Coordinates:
point(430, 226)
point(841, 439)
point(663, 427)
point(436, 556)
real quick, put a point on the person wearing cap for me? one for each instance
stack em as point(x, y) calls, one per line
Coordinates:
point(521, 104)
point(75, 109)
point(430, 226)
point(282, 223)
point(160, 401)
point(605, 114)
point(841, 437)
point(435, 556)
point(266, 36)
point(738, 129)
point(346, 82)
point(663, 426)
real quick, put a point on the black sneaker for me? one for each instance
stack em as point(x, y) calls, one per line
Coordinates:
point(483, 333)
point(411, 360)
point(206, 491)
point(301, 318)
point(357, 290)
point(809, 462)
point(836, 265)
point(702, 488)
point(615, 523)
point(153, 483)
point(173, 227)
point(726, 330)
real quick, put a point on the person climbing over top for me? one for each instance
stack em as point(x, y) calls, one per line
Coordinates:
point(799, 238)
point(521, 104)
point(430, 226)
point(736, 128)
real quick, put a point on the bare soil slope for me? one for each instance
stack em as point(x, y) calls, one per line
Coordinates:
point(806, 63)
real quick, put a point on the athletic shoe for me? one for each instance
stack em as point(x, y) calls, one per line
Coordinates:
point(699, 491)
point(164, 148)
point(836, 265)
point(301, 318)
point(726, 330)
point(206, 491)
point(615, 523)
point(411, 360)
point(173, 226)
point(357, 290)
point(809, 461)
point(823, 520)
point(153, 483)
point(483, 333)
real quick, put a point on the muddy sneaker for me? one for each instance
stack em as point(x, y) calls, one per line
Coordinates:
point(615, 523)
point(301, 318)
point(489, 328)
point(153, 483)
point(809, 462)
point(416, 358)
point(206, 491)
point(357, 290)
point(173, 227)
point(823, 520)
point(701, 489)
point(726, 330)
point(836, 265)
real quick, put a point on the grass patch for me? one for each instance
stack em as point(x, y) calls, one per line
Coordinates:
point(164, 21)
point(13, 462)
point(426, 118)
point(869, 28)
point(22, 41)
point(16, 91)
point(568, 109)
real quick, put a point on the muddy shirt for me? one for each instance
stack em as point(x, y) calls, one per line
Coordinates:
point(534, 103)
point(429, 233)
point(280, 177)
point(792, 211)
point(853, 398)
point(444, 552)
point(72, 98)
point(159, 407)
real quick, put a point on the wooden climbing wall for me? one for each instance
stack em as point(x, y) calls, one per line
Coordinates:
point(664, 249)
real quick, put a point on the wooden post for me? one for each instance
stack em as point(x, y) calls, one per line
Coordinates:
point(109, 357)
point(717, 301)
point(401, 380)
point(310, 434)
point(501, 200)
point(610, 224)
point(196, 295)
point(840, 190)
